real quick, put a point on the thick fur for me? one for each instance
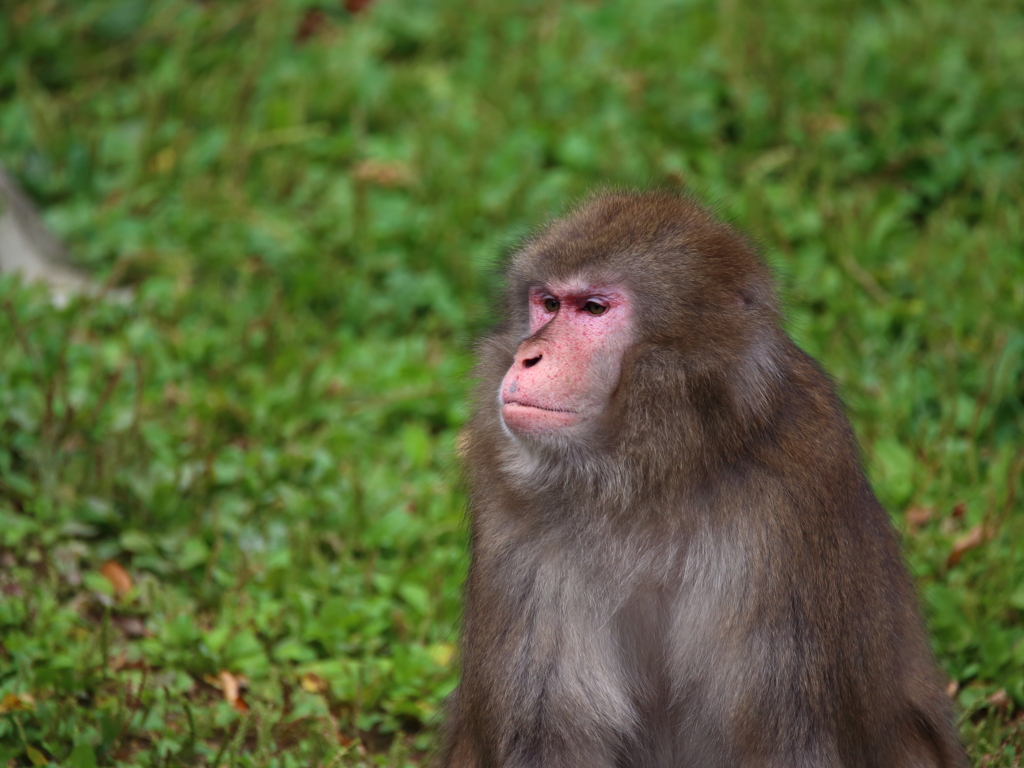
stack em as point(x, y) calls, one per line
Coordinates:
point(708, 580)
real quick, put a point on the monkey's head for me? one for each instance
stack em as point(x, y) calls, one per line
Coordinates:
point(638, 293)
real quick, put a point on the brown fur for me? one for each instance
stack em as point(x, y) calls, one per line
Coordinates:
point(709, 582)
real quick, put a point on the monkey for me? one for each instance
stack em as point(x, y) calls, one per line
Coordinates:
point(676, 558)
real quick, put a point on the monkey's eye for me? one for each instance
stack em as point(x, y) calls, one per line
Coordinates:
point(594, 308)
point(551, 305)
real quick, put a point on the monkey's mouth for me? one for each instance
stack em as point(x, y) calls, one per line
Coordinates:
point(521, 404)
point(531, 419)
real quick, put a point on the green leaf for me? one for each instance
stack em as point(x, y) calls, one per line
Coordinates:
point(193, 553)
point(416, 596)
point(82, 756)
point(894, 467)
point(137, 542)
point(35, 756)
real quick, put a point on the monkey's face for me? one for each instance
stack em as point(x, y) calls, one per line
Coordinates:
point(564, 372)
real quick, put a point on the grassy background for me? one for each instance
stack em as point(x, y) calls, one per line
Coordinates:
point(308, 201)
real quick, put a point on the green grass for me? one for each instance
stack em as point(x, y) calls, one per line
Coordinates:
point(264, 439)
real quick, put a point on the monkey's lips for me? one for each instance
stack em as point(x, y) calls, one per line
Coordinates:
point(531, 419)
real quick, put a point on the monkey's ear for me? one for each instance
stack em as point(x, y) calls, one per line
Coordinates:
point(757, 290)
point(758, 375)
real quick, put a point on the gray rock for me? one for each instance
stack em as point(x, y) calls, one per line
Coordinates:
point(30, 249)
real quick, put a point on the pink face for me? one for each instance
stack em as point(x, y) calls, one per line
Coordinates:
point(562, 377)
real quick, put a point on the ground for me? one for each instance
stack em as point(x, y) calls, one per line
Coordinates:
point(230, 519)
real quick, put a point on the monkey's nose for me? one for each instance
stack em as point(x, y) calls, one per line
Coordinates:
point(530, 362)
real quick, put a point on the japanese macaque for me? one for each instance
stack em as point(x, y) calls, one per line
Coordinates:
point(676, 557)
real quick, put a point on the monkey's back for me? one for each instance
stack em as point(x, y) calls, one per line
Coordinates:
point(828, 624)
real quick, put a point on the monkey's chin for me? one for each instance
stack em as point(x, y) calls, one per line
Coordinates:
point(528, 420)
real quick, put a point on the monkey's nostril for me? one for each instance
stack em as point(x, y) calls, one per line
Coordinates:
point(532, 361)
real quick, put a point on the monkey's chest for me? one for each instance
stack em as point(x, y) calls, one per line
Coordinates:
point(624, 623)
point(589, 651)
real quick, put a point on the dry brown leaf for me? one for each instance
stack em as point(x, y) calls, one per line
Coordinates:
point(972, 539)
point(121, 661)
point(118, 577)
point(230, 687)
point(17, 702)
point(131, 626)
point(313, 683)
point(382, 173)
point(1000, 699)
point(959, 509)
point(917, 517)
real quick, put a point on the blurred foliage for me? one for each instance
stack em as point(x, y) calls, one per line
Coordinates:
point(308, 199)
